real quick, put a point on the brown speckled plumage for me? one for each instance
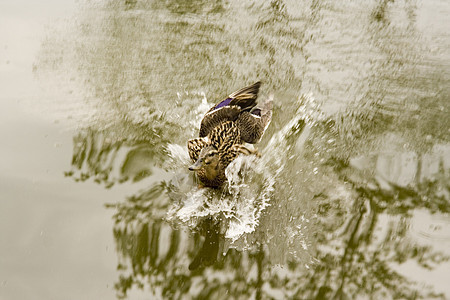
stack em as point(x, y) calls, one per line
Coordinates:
point(224, 129)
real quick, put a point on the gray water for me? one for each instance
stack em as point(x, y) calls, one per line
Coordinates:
point(350, 199)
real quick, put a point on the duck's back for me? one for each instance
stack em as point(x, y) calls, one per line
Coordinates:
point(230, 108)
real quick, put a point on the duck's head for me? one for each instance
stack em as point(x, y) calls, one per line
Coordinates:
point(208, 159)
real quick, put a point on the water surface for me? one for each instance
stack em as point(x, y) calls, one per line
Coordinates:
point(349, 200)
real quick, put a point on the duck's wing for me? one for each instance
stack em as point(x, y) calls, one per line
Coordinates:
point(252, 125)
point(245, 98)
point(230, 108)
point(217, 117)
point(194, 147)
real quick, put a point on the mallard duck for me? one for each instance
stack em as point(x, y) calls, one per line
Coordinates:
point(224, 129)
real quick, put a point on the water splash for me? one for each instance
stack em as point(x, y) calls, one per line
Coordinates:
point(250, 182)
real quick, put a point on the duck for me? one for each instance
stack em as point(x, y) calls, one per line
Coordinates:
point(224, 130)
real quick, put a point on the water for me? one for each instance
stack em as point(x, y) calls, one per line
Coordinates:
point(349, 200)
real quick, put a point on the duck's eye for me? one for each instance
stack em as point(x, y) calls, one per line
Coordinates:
point(207, 162)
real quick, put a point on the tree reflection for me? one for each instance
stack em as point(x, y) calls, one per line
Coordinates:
point(359, 238)
point(353, 257)
point(142, 72)
point(109, 158)
point(365, 256)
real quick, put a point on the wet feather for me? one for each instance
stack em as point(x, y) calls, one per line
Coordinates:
point(223, 131)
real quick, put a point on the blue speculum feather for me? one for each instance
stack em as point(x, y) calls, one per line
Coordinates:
point(223, 103)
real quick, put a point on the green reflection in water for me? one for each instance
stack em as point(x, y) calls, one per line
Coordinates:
point(343, 192)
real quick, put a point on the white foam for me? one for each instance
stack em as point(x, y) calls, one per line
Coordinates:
point(250, 182)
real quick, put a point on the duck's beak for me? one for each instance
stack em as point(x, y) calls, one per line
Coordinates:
point(196, 166)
